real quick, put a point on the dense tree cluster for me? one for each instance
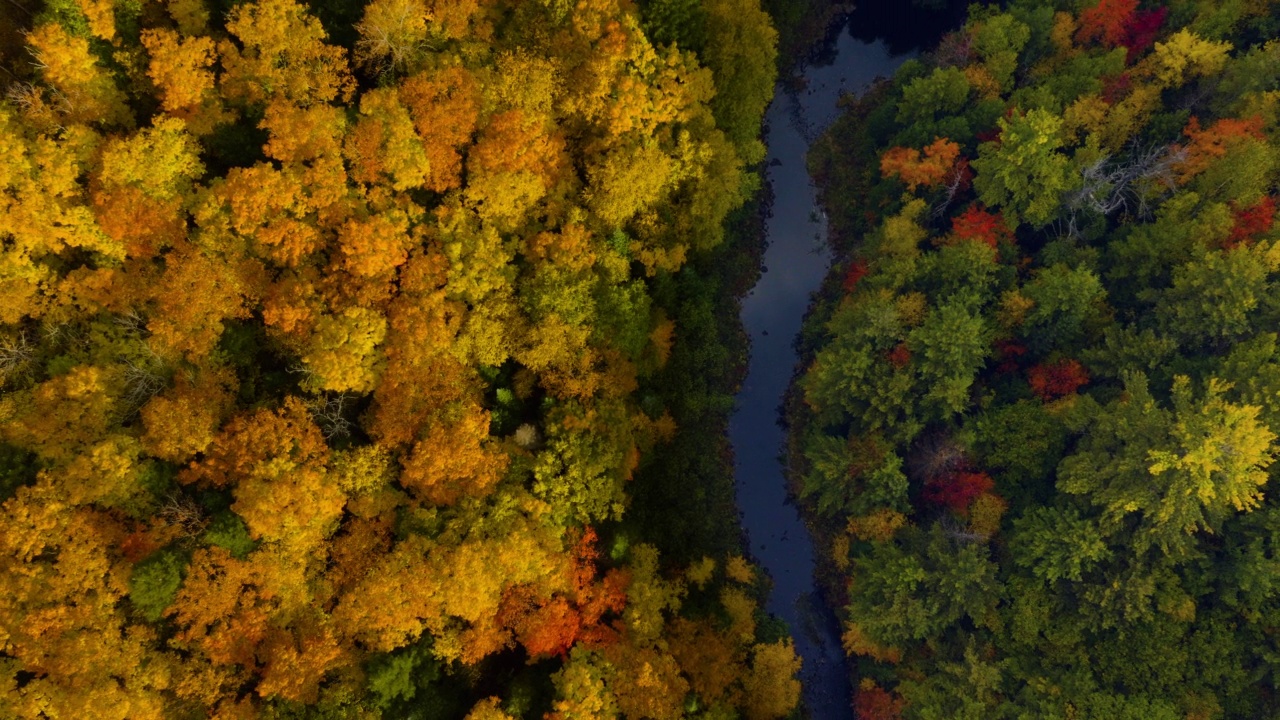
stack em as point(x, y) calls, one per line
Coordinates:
point(321, 329)
point(1040, 411)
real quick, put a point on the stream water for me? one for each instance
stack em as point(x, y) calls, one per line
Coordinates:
point(795, 262)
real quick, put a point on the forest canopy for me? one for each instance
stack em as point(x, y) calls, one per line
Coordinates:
point(328, 341)
point(1042, 394)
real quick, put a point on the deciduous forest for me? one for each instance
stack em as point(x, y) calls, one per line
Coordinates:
point(1037, 421)
point(374, 360)
point(365, 360)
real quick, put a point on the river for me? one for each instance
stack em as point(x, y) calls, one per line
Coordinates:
point(795, 262)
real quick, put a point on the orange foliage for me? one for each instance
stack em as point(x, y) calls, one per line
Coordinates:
point(709, 659)
point(1209, 144)
point(1107, 21)
point(455, 460)
point(196, 295)
point(872, 702)
point(143, 225)
point(915, 170)
point(445, 107)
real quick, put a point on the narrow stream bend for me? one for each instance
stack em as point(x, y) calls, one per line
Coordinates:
point(795, 262)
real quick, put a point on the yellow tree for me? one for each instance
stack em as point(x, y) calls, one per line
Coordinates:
point(274, 463)
point(281, 53)
point(180, 68)
point(87, 92)
point(385, 143)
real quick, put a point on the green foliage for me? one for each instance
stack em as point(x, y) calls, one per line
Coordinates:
point(1067, 304)
point(1088, 416)
point(227, 531)
point(154, 584)
point(1024, 174)
point(18, 467)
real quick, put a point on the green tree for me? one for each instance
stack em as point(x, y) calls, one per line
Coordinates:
point(1025, 173)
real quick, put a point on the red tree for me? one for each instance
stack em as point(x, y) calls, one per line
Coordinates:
point(957, 490)
point(872, 702)
point(1141, 30)
point(900, 355)
point(1053, 380)
point(858, 269)
point(981, 226)
point(1009, 352)
point(1252, 221)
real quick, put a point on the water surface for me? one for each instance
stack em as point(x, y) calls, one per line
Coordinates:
point(795, 262)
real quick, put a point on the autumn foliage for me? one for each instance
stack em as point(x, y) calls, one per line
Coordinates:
point(981, 226)
point(1055, 379)
point(872, 702)
point(915, 168)
point(957, 490)
point(321, 338)
point(1252, 221)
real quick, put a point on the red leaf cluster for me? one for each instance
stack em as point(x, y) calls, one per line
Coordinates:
point(979, 225)
point(858, 269)
point(1252, 221)
point(900, 355)
point(957, 490)
point(872, 702)
point(1053, 380)
point(1141, 30)
point(137, 545)
point(1116, 87)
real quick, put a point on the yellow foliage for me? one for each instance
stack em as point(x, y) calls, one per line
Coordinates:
point(700, 572)
point(488, 709)
point(1183, 57)
point(1087, 115)
point(179, 67)
point(182, 421)
point(191, 16)
point(1013, 309)
point(856, 642)
point(879, 526)
point(628, 180)
point(911, 308)
point(739, 569)
point(101, 17)
point(282, 53)
point(902, 234)
point(343, 352)
point(772, 690)
point(66, 63)
point(1062, 36)
point(161, 161)
point(985, 514)
point(742, 614)
point(392, 33)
